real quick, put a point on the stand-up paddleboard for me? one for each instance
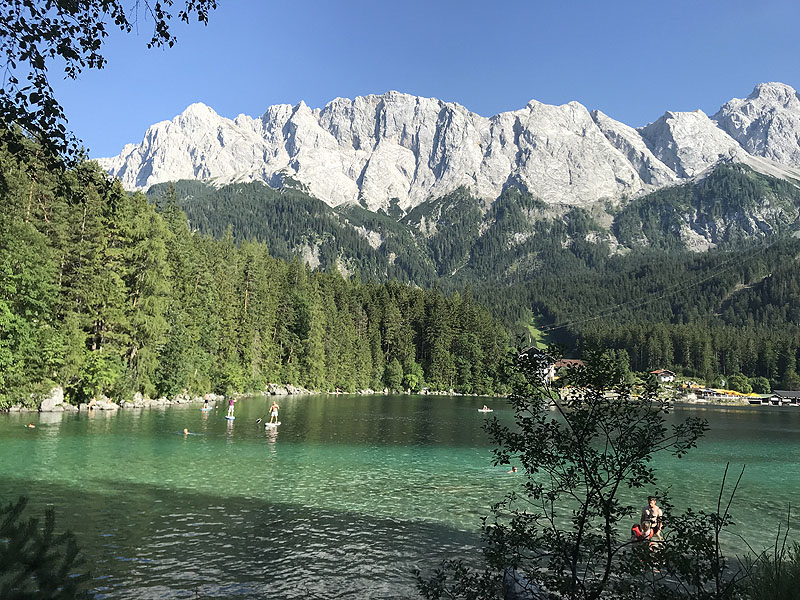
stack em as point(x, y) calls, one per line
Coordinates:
point(204, 409)
point(272, 424)
point(230, 417)
point(485, 410)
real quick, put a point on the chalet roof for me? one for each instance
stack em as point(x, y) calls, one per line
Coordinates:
point(568, 362)
point(786, 393)
point(662, 372)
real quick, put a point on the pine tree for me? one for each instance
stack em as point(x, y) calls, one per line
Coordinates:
point(147, 282)
point(313, 359)
point(35, 562)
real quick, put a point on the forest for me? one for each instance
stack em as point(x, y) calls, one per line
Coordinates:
point(709, 316)
point(103, 292)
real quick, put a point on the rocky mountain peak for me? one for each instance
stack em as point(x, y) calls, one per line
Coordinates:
point(395, 148)
point(198, 110)
point(766, 123)
point(775, 93)
point(688, 142)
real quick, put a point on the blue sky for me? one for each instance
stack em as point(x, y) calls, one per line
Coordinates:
point(632, 60)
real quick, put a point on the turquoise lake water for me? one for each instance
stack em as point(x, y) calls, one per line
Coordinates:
point(341, 501)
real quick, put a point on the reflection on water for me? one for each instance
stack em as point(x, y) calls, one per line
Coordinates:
point(341, 500)
point(229, 430)
point(272, 438)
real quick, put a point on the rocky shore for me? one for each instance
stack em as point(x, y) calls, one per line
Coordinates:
point(54, 400)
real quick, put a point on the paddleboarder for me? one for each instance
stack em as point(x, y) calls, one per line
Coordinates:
point(273, 412)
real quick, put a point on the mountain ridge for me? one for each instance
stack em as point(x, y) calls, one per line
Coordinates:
point(456, 237)
point(402, 150)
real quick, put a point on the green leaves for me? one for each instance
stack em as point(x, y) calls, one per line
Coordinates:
point(34, 34)
point(582, 447)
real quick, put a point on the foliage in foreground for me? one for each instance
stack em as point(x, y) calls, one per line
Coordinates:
point(586, 449)
point(775, 575)
point(36, 35)
point(35, 561)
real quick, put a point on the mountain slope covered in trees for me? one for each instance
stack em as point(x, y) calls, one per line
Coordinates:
point(460, 238)
point(711, 262)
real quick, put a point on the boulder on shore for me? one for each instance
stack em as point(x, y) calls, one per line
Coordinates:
point(294, 390)
point(103, 403)
point(53, 401)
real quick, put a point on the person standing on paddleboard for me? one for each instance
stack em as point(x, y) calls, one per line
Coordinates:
point(230, 407)
point(273, 412)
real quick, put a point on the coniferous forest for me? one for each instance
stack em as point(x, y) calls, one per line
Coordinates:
point(203, 289)
point(104, 293)
point(729, 310)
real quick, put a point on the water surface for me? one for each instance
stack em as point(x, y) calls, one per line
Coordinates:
point(341, 501)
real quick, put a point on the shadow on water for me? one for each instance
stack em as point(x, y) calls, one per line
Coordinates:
point(145, 541)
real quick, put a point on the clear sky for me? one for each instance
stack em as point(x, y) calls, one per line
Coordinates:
point(632, 60)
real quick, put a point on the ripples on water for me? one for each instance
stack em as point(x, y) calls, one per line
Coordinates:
point(342, 501)
point(147, 542)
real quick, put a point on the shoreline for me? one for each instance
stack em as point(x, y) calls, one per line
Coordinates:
point(53, 402)
point(732, 404)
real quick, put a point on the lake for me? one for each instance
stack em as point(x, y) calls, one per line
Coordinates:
point(341, 501)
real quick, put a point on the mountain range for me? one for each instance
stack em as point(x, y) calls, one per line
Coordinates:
point(394, 152)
